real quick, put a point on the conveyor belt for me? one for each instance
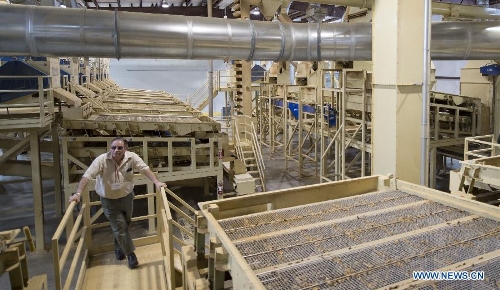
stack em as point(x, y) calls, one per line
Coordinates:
point(364, 242)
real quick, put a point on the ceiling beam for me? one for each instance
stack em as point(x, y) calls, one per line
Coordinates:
point(173, 10)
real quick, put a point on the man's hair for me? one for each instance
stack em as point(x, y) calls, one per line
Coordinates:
point(125, 142)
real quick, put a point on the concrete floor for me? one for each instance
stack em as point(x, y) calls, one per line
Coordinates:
point(16, 212)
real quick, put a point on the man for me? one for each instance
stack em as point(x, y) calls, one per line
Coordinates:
point(114, 172)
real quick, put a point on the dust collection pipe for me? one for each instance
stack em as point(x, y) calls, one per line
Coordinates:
point(48, 31)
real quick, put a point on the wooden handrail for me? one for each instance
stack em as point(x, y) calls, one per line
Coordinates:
point(75, 233)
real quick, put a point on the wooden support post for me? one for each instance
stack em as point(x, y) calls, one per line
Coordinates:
point(214, 243)
point(37, 190)
point(221, 267)
point(11, 259)
point(151, 189)
point(56, 150)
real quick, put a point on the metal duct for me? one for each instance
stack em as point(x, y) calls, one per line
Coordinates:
point(465, 40)
point(45, 31)
point(29, 30)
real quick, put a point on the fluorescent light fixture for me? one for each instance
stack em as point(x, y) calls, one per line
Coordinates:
point(62, 6)
point(255, 12)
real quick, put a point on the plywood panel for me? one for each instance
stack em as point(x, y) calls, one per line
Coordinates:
point(105, 272)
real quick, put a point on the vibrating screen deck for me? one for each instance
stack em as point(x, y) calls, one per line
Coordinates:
point(369, 241)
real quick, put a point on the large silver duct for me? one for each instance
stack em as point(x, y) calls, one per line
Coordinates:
point(44, 31)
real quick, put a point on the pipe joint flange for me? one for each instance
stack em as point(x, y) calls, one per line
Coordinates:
point(253, 40)
point(116, 36)
point(283, 42)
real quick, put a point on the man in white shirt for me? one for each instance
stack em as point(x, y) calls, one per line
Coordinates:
point(114, 172)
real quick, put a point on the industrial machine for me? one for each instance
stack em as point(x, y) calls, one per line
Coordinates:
point(365, 233)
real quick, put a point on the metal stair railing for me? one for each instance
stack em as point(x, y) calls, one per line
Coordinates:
point(258, 155)
point(248, 129)
point(239, 150)
point(200, 98)
point(197, 96)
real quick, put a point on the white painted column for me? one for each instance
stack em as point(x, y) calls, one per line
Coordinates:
point(397, 53)
point(496, 111)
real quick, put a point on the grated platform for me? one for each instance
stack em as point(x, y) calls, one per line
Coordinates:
point(365, 242)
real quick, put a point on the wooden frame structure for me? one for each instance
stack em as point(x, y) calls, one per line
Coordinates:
point(301, 132)
point(350, 96)
point(71, 271)
point(453, 118)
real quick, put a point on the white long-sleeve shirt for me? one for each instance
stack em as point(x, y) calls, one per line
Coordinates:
point(115, 180)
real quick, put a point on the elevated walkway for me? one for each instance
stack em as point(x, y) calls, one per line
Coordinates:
point(105, 272)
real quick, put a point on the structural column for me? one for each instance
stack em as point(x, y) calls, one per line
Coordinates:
point(56, 151)
point(36, 180)
point(496, 111)
point(397, 53)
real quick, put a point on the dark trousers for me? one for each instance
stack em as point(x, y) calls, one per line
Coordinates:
point(119, 213)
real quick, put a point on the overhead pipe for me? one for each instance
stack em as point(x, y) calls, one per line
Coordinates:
point(438, 8)
point(47, 31)
point(210, 72)
point(35, 31)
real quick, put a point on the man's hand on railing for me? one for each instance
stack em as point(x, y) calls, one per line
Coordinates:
point(160, 185)
point(75, 197)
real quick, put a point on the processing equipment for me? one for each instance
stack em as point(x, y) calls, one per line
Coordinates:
point(366, 233)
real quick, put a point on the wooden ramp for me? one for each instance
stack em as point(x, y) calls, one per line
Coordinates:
point(105, 272)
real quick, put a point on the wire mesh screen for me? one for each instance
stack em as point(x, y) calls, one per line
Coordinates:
point(363, 242)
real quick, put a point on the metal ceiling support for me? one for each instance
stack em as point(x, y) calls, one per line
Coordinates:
point(46, 31)
point(445, 9)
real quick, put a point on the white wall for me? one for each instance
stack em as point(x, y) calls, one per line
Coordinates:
point(450, 69)
point(178, 77)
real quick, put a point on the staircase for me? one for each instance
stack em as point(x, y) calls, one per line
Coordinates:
point(200, 99)
point(248, 150)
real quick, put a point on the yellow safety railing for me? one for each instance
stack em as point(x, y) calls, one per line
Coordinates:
point(166, 224)
point(27, 115)
point(80, 230)
point(65, 280)
point(480, 146)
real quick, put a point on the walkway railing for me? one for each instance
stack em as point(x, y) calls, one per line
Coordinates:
point(80, 230)
point(29, 115)
point(65, 280)
point(480, 146)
